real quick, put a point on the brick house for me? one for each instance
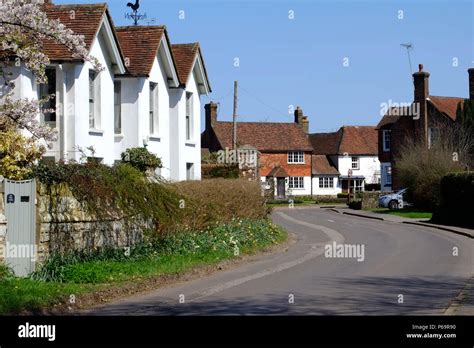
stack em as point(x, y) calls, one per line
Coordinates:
point(283, 149)
point(433, 113)
point(345, 160)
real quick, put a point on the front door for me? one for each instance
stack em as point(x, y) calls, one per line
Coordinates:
point(280, 187)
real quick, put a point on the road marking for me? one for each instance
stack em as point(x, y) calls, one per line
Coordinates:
point(315, 251)
point(331, 220)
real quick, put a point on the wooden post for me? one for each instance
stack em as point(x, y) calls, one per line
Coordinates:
point(234, 118)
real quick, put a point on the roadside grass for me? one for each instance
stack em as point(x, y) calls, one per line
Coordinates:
point(78, 275)
point(410, 213)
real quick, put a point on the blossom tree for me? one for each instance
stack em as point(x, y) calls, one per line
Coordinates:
point(24, 26)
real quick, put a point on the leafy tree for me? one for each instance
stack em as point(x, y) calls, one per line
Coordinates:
point(141, 159)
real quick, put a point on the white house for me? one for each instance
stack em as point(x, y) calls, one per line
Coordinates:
point(148, 93)
point(351, 160)
point(160, 99)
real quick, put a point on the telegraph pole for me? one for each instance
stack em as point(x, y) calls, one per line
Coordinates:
point(234, 118)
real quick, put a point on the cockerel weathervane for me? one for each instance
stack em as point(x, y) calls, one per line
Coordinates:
point(135, 15)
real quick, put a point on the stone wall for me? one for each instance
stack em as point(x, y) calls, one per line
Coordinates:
point(63, 225)
point(370, 200)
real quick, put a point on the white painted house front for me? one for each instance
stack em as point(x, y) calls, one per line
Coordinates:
point(148, 93)
point(346, 160)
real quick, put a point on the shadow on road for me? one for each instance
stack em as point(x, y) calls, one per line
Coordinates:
point(339, 296)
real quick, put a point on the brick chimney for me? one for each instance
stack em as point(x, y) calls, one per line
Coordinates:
point(471, 83)
point(301, 120)
point(299, 115)
point(211, 115)
point(422, 92)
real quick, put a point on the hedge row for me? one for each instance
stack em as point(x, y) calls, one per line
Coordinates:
point(456, 207)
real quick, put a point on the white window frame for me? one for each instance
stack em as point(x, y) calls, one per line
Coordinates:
point(295, 157)
point(44, 92)
point(118, 107)
point(357, 163)
point(386, 140)
point(326, 182)
point(296, 182)
point(153, 118)
point(94, 99)
point(189, 115)
point(360, 187)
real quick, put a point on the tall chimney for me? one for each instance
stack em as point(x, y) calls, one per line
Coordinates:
point(471, 83)
point(306, 124)
point(211, 115)
point(298, 115)
point(421, 83)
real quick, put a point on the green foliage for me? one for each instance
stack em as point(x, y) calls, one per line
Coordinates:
point(220, 171)
point(141, 159)
point(343, 195)
point(355, 204)
point(5, 272)
point(165, 253)
point(457, 192)
point(18, 155)
point(110, 192)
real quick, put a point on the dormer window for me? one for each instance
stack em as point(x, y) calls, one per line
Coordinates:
point(296, 157)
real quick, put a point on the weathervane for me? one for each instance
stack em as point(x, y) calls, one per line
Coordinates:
point(135, 15)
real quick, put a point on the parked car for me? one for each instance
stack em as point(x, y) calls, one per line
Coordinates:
point(394, 201)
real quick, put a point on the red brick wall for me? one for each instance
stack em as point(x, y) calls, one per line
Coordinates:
point(270, 160)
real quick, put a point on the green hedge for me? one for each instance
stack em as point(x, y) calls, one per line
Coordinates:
point(456, 207)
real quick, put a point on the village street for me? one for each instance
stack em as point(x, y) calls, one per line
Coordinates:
point(394, 269)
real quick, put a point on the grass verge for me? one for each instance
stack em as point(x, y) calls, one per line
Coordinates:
point(82, 274)
point(406, 212)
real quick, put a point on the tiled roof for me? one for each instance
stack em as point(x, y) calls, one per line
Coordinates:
point(446, 105)
point(325, 143)
point(140, 45)
point(86, 22)
point(354, 140)
point(321, 165)
point(278, 172)
point(265, 136)
point(185, 55)
point(359, 140)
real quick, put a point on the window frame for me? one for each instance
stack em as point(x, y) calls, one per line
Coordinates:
point(295, 157)
point(386, 133)
point(118, 107)
point(189, 171)
point(153, 113)
point(94, 100)
point(298, 180)
point(326, 182)
point(47, 90)
point(357, 162)
point(189, 116)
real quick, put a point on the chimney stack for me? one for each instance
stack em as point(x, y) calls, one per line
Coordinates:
point(298, 115)
point(301, 120)
point(422, 92)
point(471, 83)
point(211, 115)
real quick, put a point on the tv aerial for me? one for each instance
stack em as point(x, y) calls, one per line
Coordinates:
point(409, 47)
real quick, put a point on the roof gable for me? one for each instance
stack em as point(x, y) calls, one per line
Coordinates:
point(353, 140)
point(86, 20)
point(189, 59)
point(446, 105)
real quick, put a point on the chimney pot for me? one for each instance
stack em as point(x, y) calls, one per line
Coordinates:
point(420, 67)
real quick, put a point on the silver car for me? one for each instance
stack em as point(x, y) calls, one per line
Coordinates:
point(393, 200)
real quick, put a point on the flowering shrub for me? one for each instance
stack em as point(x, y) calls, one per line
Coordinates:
point(141, 159)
